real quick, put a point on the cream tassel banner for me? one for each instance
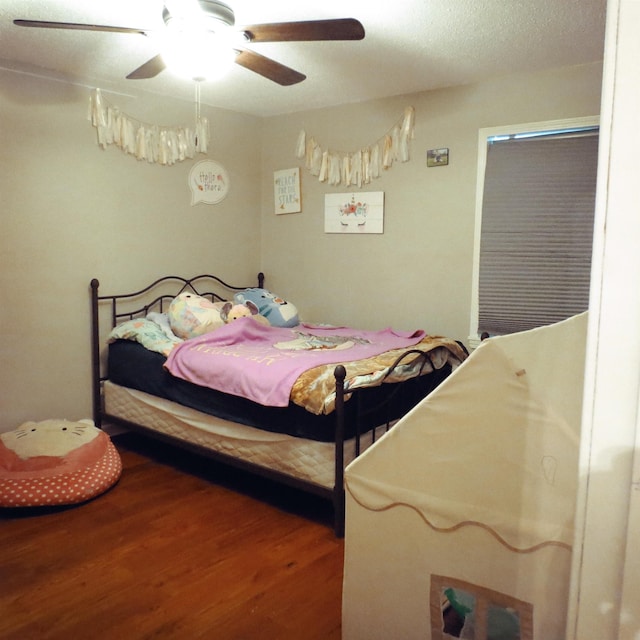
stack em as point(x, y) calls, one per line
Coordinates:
point(153, 143)
point(361, 166)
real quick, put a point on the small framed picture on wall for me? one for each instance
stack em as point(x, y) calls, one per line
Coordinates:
point(437, 157)
point(286, 191)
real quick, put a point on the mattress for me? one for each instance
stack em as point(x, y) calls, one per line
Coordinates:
point(307, 460)
point(133, 366)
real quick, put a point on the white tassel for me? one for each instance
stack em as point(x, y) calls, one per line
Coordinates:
point(301, 144)
point(395, 143)
point(172, 144)
point(165, 145)
point(407, 133)
point(324, 167)
point(96, 109)
point(387, 152)
point(116, 129)
point(335, 167)
point(374, 162)
point(141, 146)
point(366, 166)
point(356, 168)
point(346, 171)
point(152, 144)
point(309, 150)
point(316, 160)
point(190, 138)
point(162, 155)
point(102, 137)
point(106, 130)
point(130, 137)
point(359, 167)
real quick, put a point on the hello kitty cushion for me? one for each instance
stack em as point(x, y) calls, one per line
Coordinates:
point(56, 462)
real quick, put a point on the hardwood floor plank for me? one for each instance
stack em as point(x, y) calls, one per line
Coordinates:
point(179, 548)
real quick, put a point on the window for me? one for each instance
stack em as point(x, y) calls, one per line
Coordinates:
point(534, 225)
point(461, 609)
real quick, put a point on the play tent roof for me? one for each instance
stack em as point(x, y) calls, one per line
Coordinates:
point(495, 446)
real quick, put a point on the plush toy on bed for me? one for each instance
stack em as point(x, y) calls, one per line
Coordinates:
point(191, 315)
point(231, 312)
point(276, 310)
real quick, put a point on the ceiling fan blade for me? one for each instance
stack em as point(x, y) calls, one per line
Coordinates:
point(150, 69)
point(306, 31)
point(268, 68)
point(42, 24)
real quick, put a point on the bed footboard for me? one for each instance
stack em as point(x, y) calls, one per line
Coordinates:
point(402, 398)
point(338, 489)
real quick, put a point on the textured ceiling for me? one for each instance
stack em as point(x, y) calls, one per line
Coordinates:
point(409, 46)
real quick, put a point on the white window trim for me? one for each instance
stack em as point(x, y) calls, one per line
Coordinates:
point(483, 136)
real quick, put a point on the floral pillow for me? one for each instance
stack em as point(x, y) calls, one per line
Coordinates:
point(191, 315)
point(148, 333)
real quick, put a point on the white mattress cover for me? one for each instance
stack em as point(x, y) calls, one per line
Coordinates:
point(303, 459)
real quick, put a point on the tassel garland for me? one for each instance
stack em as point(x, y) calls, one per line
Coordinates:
point(153, 143)
point(361, 166)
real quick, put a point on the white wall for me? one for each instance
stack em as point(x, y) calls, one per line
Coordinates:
point(71, 211)
point(418, 273)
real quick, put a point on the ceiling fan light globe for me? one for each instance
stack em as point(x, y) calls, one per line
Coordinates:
point(197, 54)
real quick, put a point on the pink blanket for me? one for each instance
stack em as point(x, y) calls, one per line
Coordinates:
point(261, 363)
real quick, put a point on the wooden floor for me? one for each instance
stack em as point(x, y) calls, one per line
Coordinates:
point(177, 549)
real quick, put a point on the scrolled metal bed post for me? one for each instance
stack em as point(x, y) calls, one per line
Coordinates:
point(95, 355)
point(340, 374)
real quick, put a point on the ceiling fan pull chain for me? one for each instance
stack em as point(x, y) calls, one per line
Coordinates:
point(201, 126)
point(197, 101)
point(197, 108)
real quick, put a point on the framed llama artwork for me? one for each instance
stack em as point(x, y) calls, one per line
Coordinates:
point(354, 212)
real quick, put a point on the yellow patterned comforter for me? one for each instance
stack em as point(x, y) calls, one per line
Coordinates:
point(315, 389)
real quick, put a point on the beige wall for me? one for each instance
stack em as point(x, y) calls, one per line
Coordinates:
point(418, 273)
point(71, 212)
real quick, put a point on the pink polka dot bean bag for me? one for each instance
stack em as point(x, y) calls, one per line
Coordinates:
point(56, 462)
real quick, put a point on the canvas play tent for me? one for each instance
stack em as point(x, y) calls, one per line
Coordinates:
point(460, 519)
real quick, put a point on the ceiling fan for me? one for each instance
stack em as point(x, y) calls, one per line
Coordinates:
point(214, 21)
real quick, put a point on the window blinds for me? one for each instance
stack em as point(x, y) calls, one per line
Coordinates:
point(537, 230)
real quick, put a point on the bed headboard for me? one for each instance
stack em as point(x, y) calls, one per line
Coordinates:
point(156, 296)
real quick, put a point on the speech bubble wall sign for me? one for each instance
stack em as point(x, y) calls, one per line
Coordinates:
point(209, 182)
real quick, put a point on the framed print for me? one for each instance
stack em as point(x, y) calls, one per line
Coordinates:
point(354, 213)
point(437, 157)
point(286, 191)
